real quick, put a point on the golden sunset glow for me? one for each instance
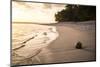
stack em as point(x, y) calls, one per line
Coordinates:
point(35, 12)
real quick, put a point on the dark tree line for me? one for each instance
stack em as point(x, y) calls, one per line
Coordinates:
point(76, 13)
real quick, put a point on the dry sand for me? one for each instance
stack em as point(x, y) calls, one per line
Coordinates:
point(63, 48)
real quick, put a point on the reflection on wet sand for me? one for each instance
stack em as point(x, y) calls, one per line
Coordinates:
point(62, 47)
point(32, 42)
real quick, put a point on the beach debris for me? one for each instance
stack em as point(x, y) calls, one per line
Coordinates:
point(78, 45)
point(45, 33)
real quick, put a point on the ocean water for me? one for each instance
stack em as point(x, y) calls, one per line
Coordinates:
point(38, 44)
point(29, 39)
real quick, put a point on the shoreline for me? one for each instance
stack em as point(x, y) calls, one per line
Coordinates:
point(63, 48)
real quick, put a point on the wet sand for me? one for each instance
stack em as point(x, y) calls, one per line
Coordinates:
point(63, 48)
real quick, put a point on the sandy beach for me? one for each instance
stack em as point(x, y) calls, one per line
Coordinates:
point(62, 49)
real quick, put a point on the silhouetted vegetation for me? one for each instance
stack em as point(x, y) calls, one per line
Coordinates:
point(76, 13)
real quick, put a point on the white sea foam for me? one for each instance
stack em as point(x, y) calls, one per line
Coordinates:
point(33, 36)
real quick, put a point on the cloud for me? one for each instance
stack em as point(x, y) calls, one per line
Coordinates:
point(49, 6)
point(35, 12)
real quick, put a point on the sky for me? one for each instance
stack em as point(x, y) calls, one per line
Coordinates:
point(35, 12)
